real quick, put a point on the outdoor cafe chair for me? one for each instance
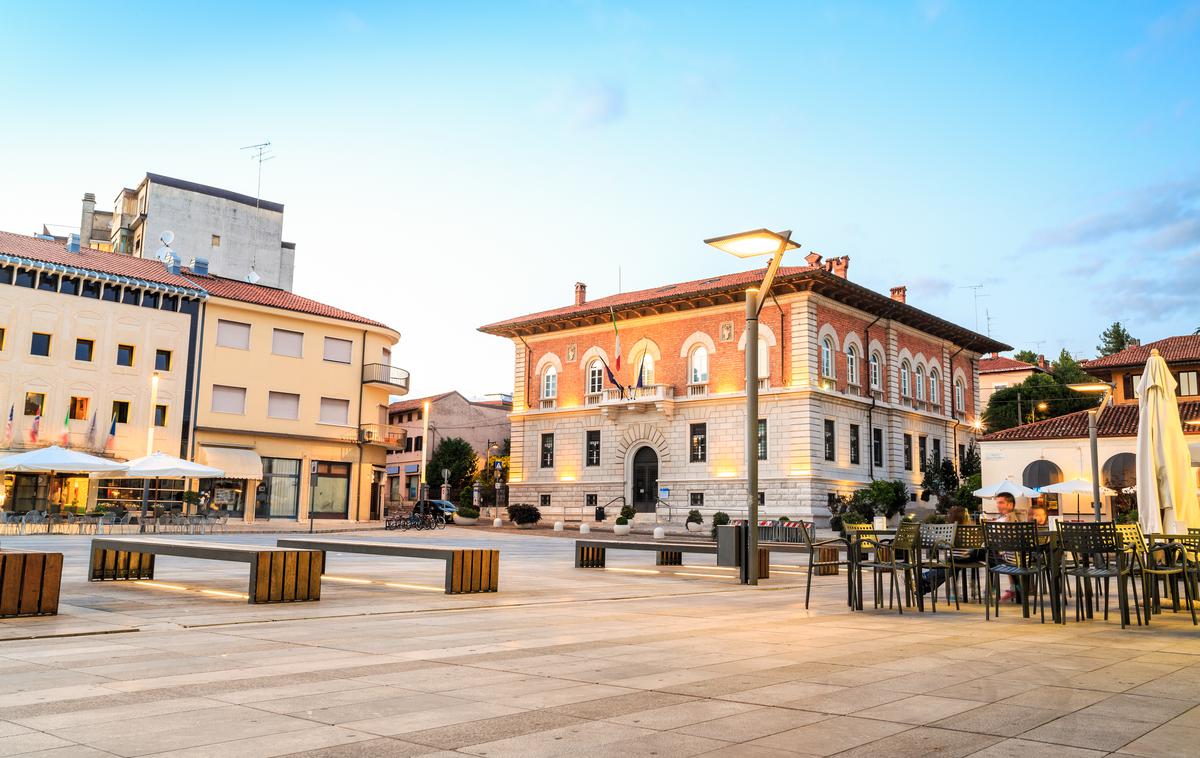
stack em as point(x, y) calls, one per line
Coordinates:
point(1099, 553)
point(897, 556)
point(1169, 559)
point(968, 541)
point(807, 534)
point(936, 545)
point(1015, 551)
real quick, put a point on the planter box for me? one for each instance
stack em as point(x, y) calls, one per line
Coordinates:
point(526, 526)
point(464, 521)
point(692, 526)
point(621, 529)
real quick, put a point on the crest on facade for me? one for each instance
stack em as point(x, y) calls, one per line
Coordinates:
point(726, 334)
point(571, 353)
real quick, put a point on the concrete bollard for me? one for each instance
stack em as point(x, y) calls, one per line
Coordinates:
point(585, 529)
point(659, 532)
point(498, 522)
point(558, 526)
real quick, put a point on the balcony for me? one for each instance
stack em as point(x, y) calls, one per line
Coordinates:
point(383, 375)
point(385, 435)
point(697, 390)
point(659, 397)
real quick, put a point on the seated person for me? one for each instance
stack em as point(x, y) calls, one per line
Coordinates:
point(933, 578)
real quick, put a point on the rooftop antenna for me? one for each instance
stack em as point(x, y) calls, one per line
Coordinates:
point(262, 154)
point(975, 291)
point(987, 314)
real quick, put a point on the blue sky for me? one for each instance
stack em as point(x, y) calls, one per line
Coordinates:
point(446, 165)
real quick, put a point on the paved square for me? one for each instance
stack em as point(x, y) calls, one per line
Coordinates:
point(632, 660)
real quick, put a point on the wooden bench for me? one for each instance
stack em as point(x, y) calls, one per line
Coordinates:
point(277, 575)
point(467, 569)
point(592, 553)
point(29, 583)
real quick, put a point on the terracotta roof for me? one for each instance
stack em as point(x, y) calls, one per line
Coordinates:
point(1001, 364)
point(90, 259)
point(732, 287)
point(1115, 421)
point(258, 294)
point(1183, 349)
point(415, 403)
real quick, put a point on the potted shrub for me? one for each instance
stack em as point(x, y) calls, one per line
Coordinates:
point(525, 516)
point(695, 522)
point(621, 527)
point(720, 518)
point(468, 515)
point(628, 512)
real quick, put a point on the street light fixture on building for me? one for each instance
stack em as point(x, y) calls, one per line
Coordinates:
point(1104, 388)
point(748, 245)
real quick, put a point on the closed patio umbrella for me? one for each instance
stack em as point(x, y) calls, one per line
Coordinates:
point(1166, 488)
point(163, 466)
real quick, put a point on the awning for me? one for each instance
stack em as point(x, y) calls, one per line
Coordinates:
point(237, 463)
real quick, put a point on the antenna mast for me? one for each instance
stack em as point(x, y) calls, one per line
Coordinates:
point(975, 291)
point(262, 154)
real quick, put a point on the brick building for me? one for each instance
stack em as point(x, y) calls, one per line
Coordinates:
point(855, 385)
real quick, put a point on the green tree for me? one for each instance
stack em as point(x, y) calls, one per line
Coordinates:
point(1114, 339)
point(970, 463)
point(1025, 356)
point(457, 455)
point(487, 474)
point(1067, 370)
point(1042, 396)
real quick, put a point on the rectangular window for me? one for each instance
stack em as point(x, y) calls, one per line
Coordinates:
point(418, 444)
point(3, 332)
point(228, 399)
point(762, 439)
point(830, 440)
point(338, 350)
point(78, 409)
point(91, 289)
point(855, 445)
point(283, 405)
point(216, 240)
point(6, 274)
point(289, 343)
point(593, 447)
point(696, 499)
point(112, 293)
point(124, 355)
point(84, 349)
point(544, 501)
point(937, 449)
point(699, 443)
point(34, 403)
point(1187, 379)
point(282, 479)
point(335, 411)
point(150, 300)
point(590, 501)
point(331, 492)
point(131, 296)
point(547, 451)
point(26, 278)
point(160, 415)
point(877, 447)
point(69, 286)
point(922, 452)
point(233, 334)
point(48, 282)
point(162, 360)
point(408, 444)
point(962, 454)
point(170, 303)
point(39, 344)
point(121, 411)
point(908, 452)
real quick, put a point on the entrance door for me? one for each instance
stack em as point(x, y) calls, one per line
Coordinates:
point(645, 480)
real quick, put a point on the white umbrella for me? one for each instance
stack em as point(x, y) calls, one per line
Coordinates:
point(1007, 487)
point(1076, 487)
point(1166, 488)
point(163, 466)
point(55, 459)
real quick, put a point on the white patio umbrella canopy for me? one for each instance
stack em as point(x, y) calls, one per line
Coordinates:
point(163, 466)
point(58, 460)
point(1007, 486)
point(1072, 487)
point(1166, 490)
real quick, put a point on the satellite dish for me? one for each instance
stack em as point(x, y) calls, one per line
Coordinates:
point(167, 237)
point(253, 277)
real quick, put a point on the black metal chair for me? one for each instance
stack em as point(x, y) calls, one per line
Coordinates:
point(1168, 560)
point(1015, 551)
point(1099, 554)
point(899, 555)
point(937, 545)
point(970, 555)
point(808, 535)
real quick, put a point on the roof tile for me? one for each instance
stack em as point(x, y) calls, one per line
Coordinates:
point(1001, 363)
point(1182, 349)
point(50, 251)
point(1115, 421)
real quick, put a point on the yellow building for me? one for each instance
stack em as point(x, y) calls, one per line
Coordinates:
point(292, 404)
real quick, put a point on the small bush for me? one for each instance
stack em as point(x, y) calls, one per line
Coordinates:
point(628, 512)
point(935, 518)
point(694, 517)
point(782, 519)
point(622, 521)
point(720, 518)
point(468, 511)
point(523, 513)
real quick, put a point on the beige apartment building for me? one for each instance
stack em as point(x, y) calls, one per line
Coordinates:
point(997, 372)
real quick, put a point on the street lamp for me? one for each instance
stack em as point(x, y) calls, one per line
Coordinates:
point(149, 450)
point(748, 245)
point(1105, 389)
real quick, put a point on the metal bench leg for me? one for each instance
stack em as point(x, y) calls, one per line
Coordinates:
point(668, 558)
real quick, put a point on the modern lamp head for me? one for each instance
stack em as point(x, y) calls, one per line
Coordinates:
point(753, 243)
point(1090, 386)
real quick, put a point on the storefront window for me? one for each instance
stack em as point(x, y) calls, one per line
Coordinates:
point(282, 479)
point(331, 493)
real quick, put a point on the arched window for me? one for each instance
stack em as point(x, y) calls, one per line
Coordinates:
point(1120, 471)
point(852, 365)
point(550, 383)
point(827, 358)
point(698, 366)
point(1041, 473)
point(595, 377)
point(905, 386)
point(935, 389)
point(647, 368)
point(876, 371)
point(960, 397)
point(920, 382)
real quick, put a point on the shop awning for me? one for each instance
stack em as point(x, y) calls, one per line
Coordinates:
point(237, 463)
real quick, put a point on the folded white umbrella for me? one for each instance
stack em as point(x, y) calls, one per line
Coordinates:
point(1006, 487)
point(1166, 485)
point(58, 460)
point(1073, 487)
point(163, 466)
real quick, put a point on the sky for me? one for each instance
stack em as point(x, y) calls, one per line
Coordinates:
point(447, 165)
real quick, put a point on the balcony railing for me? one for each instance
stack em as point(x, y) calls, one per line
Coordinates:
point(649, 393)
point(697, 390)
point(593, 398)
point(388, 376)
point(549, 403)
point(386, 435)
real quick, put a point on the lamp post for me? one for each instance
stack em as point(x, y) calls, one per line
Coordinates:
point(748, 245)
point(494, 447)
point(1106, 389)
point(422, 486)
point(149, 450)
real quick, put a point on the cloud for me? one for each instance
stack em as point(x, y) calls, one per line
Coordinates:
point(930, 286)
point(1166, 216)
point(1167, 29)
point(586, 105)
point(1158, 290)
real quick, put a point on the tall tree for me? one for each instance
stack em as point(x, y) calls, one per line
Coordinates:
point(1039, 397)
point(1114, 339)
point(456, 455)
point(1067, 370)
point(1025, 356)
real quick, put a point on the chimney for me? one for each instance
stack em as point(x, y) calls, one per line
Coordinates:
point(813, 259)
point(580, 293)
point(900, 294)
point(171, 262)
point(72, 243)
point(86, 220)
point(838, 266)
point(199, 266)
point(1041, 361)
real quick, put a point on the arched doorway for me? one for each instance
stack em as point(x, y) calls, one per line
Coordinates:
point(1120, 471)
point(645, 479)
point(1041, 473)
